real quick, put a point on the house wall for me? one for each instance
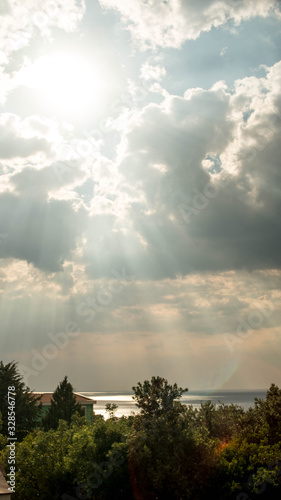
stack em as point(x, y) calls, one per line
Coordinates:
point(44, 410)
point(88, 412)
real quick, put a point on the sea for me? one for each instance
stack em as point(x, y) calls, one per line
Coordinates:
point(126, 404)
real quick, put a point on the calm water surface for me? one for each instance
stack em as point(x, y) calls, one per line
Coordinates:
point(126, 404)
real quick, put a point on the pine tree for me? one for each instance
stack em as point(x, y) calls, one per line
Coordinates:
point(63, 406)
point(27, 406)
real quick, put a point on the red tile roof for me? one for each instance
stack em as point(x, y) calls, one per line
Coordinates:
point(46, 398)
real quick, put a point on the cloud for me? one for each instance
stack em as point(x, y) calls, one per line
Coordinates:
point(170, 321)
point(201, 187)
point(13, 142)
point(37, 143)
point(173, 182)
point(198, 306)
point(39, 231)
point(164, 208)
point(152, 72)
point(20, 22)
point(171, 23)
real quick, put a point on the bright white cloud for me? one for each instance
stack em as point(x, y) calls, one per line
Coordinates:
point(22, 20)
point(171, 23)
point(152, 72)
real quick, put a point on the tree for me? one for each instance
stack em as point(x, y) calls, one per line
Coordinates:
point(157, 398)
point(222, 422)
point(3, 439)
point(77, 461)
point(167, 459)
point(27, 405)
point(63, 406)
point(250, 463)
point(268, 412)
point(111, 408)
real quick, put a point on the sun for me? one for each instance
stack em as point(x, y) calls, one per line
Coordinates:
point(67, 82)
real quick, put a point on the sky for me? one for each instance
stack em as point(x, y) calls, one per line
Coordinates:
point(140, 192)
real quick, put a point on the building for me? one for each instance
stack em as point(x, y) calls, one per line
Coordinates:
point(86, 403)
point(5, 493)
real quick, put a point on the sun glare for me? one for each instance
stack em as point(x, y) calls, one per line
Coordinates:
point(65, 81)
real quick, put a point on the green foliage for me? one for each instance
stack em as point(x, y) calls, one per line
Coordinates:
point(63, 406)
point(169, 460)
point(168, 457)
point(27, 407)
point(111, 408)
point(41, 471)
point(249, 468)
point(222, 422)
point(158, 398)
point(77, 459)
point(3, 439)
point(168, 451)
point(251, 463)
point(3, 442)
point(268, 412)
point(98, 459)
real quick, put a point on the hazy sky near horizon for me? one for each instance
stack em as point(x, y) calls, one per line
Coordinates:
point(140, 192)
